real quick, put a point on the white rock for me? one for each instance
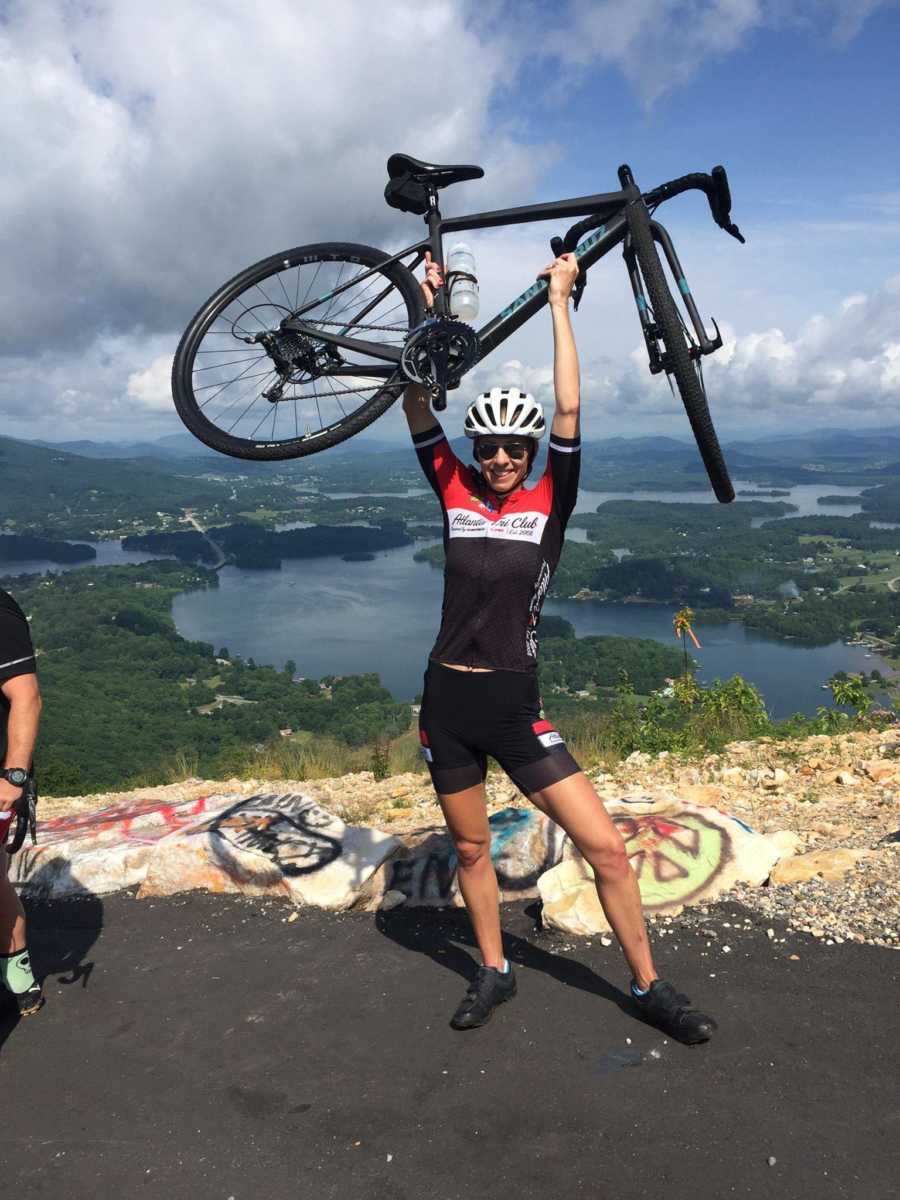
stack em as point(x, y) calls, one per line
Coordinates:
point(271, 844)
point(682, 853)
point(786, 842)
point(107, 849)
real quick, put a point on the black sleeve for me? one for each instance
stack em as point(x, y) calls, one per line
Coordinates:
point(564, 465)
point(436, 459)
point(16, 650)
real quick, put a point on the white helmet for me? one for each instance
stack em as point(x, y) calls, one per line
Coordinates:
point(505, 411)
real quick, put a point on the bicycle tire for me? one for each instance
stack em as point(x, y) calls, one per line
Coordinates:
point(183, 367)
point(680, 364)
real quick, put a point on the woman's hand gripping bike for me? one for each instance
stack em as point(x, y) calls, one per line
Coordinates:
point(308, 347)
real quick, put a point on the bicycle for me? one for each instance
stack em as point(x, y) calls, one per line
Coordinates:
point(277, 346)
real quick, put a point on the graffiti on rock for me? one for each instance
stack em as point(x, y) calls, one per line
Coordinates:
point(291, 831)
point(143, 821)
point(426, 878)
point(524, 844)
point(674, 855)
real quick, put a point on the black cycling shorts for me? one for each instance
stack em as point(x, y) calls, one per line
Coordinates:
point(468, 715)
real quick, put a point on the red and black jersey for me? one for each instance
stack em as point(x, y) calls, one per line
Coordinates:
point(500, 553)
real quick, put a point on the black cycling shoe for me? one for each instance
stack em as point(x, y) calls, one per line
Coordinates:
point(31, 1001)
point(671, 1012)
point(489, 988)
point(25, 1003)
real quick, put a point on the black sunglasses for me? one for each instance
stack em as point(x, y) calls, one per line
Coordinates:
point(515, 450)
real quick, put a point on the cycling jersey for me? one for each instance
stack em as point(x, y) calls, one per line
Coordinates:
point(500, 553)
point(16, 651)
point(16, 654)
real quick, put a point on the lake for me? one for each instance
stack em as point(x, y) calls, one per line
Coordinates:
point(333, 617)
point(337, 618)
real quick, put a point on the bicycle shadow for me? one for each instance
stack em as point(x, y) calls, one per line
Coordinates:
point(433, 932)
point(61, 932)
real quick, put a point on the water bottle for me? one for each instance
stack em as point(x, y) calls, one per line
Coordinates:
point(463, 290)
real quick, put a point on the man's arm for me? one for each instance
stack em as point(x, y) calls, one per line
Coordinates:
point(24, 698)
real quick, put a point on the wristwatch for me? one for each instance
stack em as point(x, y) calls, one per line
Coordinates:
point(14, 775)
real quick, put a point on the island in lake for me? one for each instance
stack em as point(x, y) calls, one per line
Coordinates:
point(23, 547)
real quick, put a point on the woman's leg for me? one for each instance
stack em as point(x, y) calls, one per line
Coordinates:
point(467, 822)
point(574, 805)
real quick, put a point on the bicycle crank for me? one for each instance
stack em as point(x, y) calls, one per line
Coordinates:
point(437, 353)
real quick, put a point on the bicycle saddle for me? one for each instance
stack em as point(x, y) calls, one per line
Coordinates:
point(410, 179)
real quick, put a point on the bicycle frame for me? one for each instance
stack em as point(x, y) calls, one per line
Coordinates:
point(515, 314)
point(608, 207)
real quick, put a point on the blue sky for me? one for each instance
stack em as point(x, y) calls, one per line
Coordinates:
point(152, 151)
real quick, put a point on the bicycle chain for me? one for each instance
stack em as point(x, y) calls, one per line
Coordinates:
point(387, 328)
point(335, 392)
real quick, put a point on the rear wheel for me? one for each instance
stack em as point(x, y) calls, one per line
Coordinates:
point(247, 386)
point(679, 363)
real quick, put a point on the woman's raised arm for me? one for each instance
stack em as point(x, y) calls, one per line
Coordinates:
point(562, 273)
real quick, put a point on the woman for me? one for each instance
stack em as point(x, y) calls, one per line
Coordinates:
point(503, 542)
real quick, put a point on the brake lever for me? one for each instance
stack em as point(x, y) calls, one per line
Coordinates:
point(734, 231)
point(558, 248)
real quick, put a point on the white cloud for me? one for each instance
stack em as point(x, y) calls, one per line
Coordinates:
point(153, 150)
point(843, 364)
point(152, 387)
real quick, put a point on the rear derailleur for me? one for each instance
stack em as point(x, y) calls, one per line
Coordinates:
point(296, 358)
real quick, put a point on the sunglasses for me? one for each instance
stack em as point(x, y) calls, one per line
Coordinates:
point(487, 450)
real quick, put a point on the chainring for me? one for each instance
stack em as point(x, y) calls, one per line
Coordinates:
point(437, 353)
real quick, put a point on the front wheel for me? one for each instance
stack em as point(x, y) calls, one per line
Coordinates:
point(678, 361)
point(247, 384)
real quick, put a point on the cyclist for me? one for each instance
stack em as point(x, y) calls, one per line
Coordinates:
point(502, 542)
point(20, 703)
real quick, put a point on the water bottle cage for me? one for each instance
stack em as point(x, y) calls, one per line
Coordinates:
point(452, 276)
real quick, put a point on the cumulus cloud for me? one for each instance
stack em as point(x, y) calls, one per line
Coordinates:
point(845, 361)
point(153, 150)
point(158, 148)
point(849, 358)
point(151, 388)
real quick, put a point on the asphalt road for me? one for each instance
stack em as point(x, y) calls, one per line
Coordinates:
point(204, 1047)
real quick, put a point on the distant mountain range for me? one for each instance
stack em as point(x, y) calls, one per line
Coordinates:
point(818, 444)
point(185, 445)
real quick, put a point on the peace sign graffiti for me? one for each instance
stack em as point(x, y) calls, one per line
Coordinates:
point(674, 858)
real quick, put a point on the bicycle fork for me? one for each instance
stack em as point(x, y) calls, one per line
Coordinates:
point(703, 344)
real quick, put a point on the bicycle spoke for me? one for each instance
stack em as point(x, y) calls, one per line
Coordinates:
point(254, 364)
point(243, 375)
point(239, 399)
point(334, 394)
point(309, 289)
point(336, 286)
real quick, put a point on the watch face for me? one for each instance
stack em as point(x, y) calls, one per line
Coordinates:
point(16, 776)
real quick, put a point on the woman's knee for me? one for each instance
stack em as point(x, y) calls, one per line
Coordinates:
point(608, 857)
point(471, 852)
